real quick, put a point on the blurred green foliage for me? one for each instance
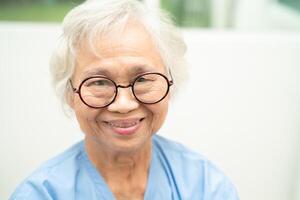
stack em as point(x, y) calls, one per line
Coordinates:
point(189, 13)
point(35, 10)
point(294, 4)
point(43, 2)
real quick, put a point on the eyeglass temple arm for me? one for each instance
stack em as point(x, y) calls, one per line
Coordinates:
point(74, 89)
point(171, 82)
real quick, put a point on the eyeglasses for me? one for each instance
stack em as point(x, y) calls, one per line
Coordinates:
point(100, 91)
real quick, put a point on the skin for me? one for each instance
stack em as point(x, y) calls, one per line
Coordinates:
point(123, 160)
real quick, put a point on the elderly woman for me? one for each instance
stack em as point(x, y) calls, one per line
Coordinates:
point(115, 67)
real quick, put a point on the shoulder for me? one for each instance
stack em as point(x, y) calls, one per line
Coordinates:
point(41, 184)
point(192, 169)
point(177, 152)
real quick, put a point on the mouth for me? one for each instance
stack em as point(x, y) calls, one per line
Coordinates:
point(124, 126)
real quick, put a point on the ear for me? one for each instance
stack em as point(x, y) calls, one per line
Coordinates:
point(70, 98)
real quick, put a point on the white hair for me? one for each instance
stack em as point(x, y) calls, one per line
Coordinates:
point(95, 18)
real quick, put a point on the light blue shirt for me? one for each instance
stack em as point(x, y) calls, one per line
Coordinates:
point(175, 173)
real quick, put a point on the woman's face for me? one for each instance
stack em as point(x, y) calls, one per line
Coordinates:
point(126, 124)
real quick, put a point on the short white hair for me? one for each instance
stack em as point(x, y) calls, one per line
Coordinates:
point(95, 18)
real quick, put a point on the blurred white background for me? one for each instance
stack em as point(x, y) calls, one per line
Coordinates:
point(240, 108)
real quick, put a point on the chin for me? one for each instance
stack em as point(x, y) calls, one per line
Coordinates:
point(130, 146)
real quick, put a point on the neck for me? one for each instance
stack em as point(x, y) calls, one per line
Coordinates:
point(117, 166)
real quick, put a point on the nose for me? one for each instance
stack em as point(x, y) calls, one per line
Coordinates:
point(124, 102)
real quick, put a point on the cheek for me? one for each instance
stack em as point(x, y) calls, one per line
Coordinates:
point(159, 113)
point(86, 117)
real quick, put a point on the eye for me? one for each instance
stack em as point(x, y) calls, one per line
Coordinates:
point(145, 79)
point(141, 80)
point(99, 83)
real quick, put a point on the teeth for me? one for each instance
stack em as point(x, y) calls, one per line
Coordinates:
point(122, 124)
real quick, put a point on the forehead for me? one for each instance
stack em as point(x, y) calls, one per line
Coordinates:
point(127, 50)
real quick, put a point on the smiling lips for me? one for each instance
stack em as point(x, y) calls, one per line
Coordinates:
point(124, 127)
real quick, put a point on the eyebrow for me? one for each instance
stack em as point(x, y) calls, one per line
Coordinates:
point(104, 72)
point(96, 71)
point(142, 69)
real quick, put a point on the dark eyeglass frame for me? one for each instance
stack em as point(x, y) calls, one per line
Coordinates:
point(78, 91)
